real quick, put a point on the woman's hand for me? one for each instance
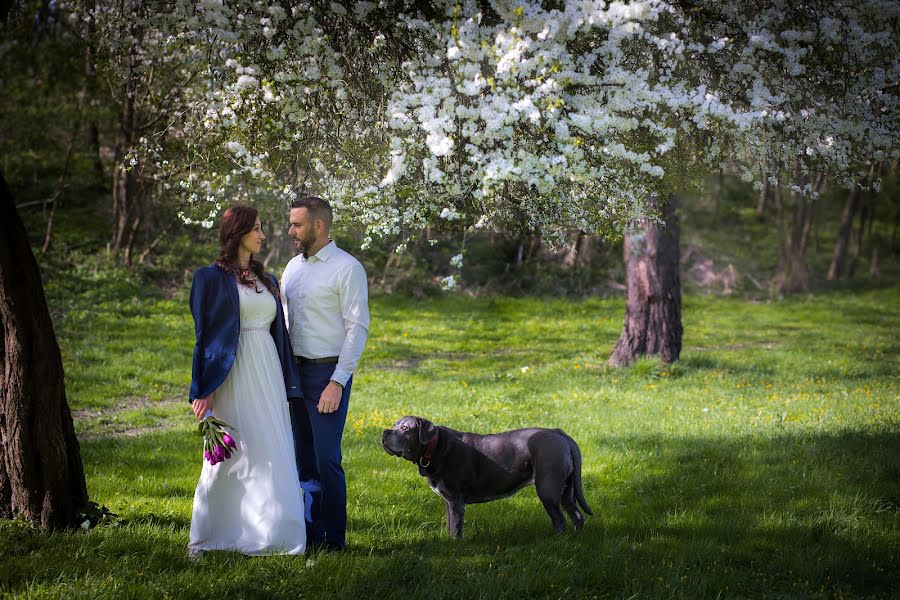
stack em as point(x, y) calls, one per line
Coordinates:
point(201, 405)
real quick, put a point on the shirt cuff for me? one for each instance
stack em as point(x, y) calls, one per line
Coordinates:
point(341, 376)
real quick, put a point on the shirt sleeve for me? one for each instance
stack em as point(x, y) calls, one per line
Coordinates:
point(351, 351)
point(286, 279)
point(354, 291)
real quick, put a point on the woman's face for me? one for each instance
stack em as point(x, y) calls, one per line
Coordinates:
point(252, 241)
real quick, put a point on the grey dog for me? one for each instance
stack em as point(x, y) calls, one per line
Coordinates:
point(466, 468)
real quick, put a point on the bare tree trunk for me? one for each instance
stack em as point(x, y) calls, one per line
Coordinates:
point(41, 473)
point(793, 272)
point(762, 204)
point(585, 252)
point(653, 290)
point(129, 244)
point(124, 180)
point(156, 242)
point(838, 266)
point(865, 210)
point(874, 269)
point(720, 185)
point(571, 256)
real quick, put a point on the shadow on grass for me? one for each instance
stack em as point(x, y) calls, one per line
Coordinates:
point(790, 515)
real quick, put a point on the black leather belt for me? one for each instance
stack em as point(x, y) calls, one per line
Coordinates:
point(328, 360)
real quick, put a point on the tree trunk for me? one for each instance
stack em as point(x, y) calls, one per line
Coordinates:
point(865, 210)
point(41, 474)
point(838, 266)
point(653, 291)
point(571, 255)
point(124, 179)
point(585, 252)
point(793, 272)
point(763, 202)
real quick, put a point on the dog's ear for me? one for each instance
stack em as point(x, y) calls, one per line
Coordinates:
point(427, 431)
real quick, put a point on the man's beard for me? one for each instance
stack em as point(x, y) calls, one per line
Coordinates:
point(303, 245)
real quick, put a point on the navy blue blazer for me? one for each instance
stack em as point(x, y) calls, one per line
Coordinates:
point(217, 323)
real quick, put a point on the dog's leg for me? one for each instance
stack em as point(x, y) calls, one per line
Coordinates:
point(549, 490)
point(568, 502)
point(455, 513)
point(552, 466)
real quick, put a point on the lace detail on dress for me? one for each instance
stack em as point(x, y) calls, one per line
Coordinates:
point(257, 308)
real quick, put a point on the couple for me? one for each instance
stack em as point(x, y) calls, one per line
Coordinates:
point(285, 394)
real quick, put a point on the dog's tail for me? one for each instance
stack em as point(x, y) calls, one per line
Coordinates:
point(576, 473)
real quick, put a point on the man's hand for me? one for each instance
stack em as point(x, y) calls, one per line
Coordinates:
point(330, 398)
point(201, 405)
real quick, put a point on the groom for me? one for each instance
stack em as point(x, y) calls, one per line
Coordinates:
point(327, 302)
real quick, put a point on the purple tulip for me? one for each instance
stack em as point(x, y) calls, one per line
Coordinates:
point(208, 455)
point(229, 441)
point(220, 453)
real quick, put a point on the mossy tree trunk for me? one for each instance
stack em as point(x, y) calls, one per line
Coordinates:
point(653, 290)
point(41, 473)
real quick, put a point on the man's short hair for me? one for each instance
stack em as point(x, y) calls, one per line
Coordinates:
point(317, 207)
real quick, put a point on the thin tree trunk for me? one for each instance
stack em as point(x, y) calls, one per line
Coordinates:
point(720, 185)
point(864, 210)
point(874, 269)
point(129, 244)
point(653, 291)
point(124, 181)
point(585, 252)
point(48, 232)
point(762, 203)
point(838, 266)
point(156, 242)
point(793, 272)
point(571, 256)
point(90, 76)
point(42, 476)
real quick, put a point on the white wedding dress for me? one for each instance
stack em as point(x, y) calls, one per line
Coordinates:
point(252, 502)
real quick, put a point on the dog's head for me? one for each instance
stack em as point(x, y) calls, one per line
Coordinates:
point(408, 437)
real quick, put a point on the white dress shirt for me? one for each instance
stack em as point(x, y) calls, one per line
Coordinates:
point(326, 303)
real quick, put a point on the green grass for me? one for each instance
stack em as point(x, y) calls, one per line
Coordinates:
point(765, 463)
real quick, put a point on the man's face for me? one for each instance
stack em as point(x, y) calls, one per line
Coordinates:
point(302, 229)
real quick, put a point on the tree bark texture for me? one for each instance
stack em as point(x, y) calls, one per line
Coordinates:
point(41, 473)
point(653, 291)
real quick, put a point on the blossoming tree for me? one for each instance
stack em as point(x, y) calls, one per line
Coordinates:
point(546, 116)
point(823, 76)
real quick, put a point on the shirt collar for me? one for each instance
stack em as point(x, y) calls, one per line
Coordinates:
point(325, 252)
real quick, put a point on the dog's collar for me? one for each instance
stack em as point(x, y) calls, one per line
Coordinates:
point(425, 459)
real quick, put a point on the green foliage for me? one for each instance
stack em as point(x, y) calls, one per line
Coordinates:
point(763, 463)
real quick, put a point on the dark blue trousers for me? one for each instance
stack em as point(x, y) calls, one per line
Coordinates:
point(317, 445)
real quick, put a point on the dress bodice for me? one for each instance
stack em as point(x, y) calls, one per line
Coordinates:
point(257, 309)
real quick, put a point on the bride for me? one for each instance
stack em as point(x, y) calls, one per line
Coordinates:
point(243, 371)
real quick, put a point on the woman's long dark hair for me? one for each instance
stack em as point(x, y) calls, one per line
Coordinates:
point(237, 222)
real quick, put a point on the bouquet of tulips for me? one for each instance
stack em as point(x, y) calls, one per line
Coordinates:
point(217, 442)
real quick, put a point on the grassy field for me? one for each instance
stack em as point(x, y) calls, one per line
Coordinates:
point(765, 463)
